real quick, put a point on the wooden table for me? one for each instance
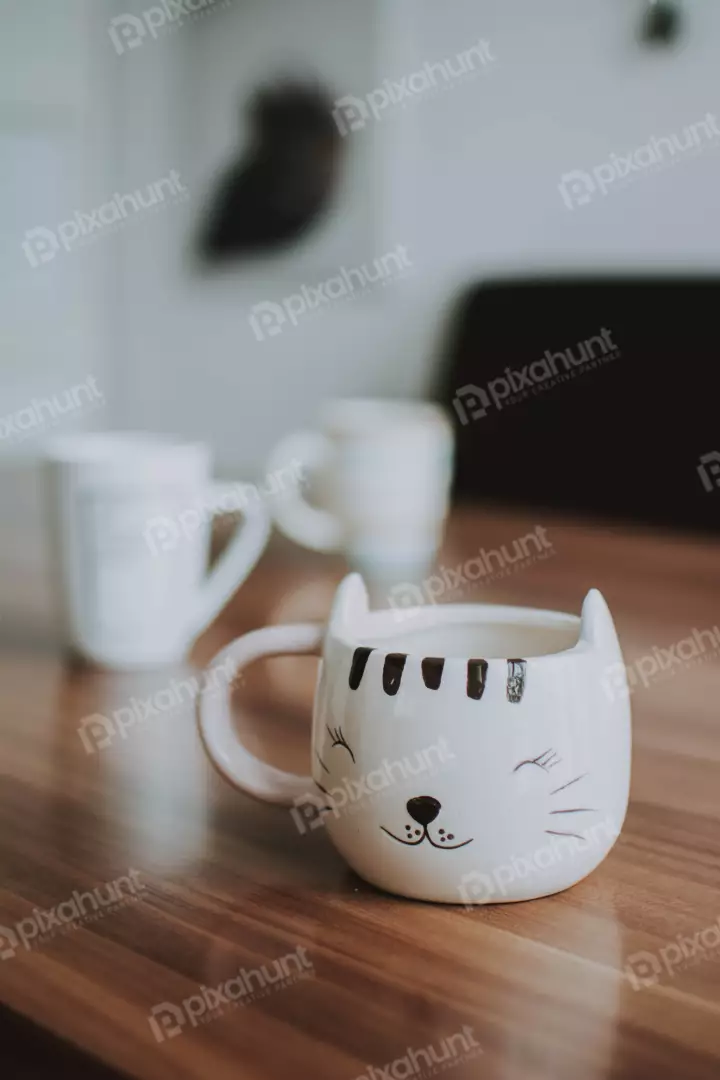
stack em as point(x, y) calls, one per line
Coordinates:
point(224, 883)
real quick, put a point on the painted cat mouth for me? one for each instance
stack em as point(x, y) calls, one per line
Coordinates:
point(426, 836)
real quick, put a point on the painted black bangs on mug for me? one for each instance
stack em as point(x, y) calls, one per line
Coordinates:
point(432, 672)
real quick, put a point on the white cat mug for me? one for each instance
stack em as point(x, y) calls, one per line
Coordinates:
point(473, 754)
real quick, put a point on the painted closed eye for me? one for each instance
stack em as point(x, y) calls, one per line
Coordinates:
point(546, 761)
point(338, 739)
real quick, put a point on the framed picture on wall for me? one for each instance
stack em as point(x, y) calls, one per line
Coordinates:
point(233, 53)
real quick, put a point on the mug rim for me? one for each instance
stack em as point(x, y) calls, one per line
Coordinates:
point(119, 446)
point(384, 624)
point(129, 459)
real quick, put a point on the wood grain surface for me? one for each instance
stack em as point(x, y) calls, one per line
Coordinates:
point(546, 990)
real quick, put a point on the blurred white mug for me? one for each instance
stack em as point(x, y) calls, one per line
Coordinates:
point(130, 518)
point(381, 470)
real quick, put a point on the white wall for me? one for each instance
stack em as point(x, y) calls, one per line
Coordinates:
point(571, 86)
point(56, 160)
point(58, 156)
point(466, 180)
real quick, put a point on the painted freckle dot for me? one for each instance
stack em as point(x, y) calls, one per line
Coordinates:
point(451, 836)
point(417, 832)
point(441, 831)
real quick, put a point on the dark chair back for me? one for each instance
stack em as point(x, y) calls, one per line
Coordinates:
point(599, 396)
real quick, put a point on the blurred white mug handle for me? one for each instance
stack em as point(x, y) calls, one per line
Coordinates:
point(238, 558)
point(316, 529)
point(221, 740)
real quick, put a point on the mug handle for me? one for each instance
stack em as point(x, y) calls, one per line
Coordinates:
point(221, 740)
point(235, 563)
point(308, 526)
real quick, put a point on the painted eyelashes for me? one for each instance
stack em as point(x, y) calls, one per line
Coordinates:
point(432, 668)
point(338, 739)
point(547, 760)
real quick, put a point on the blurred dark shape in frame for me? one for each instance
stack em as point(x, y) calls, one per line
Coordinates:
point(273, 194)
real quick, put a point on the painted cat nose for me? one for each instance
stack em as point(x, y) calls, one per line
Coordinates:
point(423, 809)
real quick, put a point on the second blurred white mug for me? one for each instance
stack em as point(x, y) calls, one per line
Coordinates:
point(382, 472)
point(130, 517)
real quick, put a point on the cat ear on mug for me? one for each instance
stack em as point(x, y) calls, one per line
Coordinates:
point(596, 622)
point(350, 606)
